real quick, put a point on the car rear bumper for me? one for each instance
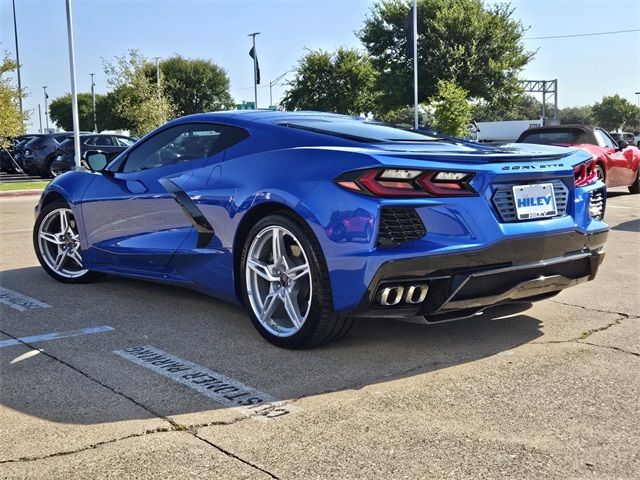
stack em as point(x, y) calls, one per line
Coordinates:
point(461, 284)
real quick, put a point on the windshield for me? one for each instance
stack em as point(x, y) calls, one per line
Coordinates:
point(359, 131)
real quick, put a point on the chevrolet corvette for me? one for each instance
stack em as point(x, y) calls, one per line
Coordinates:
point(617, 162)
point(310, 220)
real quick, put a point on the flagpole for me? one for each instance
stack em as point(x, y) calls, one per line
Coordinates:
point(255, 69)
point(415, 64)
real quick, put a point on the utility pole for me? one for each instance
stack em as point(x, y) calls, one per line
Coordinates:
point(638, 94)
point(40, 117)
point(415, 64)
point(15, 32)
point(74, 93)
point(46, 107)
point(255, 69)
point(157, 59)
point(93, 99)
point(271, 85)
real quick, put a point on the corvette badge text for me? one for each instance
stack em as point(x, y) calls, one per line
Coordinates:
point(533, 167)
point(216, 386)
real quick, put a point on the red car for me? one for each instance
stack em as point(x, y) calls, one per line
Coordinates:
point(618, 165)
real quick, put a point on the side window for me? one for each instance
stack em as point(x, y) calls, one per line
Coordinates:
point(603, 139)
point(174, 145)
point(90, 141)
point(104, 142)
point(124, 142)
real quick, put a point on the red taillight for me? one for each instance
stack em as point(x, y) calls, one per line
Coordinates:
point(407, 183)
point(585, 174)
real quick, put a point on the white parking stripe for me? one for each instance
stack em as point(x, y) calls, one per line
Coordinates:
point(54, 336)
point(212, 384)
point(19, 301)
point(17, 230)
point(618, 206)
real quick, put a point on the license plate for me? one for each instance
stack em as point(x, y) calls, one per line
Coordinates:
point(534, 201)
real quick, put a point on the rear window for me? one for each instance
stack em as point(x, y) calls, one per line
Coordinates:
point(359, 131)
point(555, 137)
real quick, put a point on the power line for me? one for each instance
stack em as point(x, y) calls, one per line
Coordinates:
point(584, 34)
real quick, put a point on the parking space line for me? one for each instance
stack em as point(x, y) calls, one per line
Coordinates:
point(19, 301)
point(618, 206)
point(17, 230)
point(212, 384)
point(54, 336)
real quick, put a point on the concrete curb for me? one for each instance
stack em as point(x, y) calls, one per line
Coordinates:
point(21, 193)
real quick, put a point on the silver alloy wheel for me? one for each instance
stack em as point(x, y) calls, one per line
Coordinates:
point(278, 280)
point(59, 243)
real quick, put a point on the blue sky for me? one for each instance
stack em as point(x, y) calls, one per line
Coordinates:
point(586, 68)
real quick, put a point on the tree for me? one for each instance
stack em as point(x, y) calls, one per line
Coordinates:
point(140, 102)
point(341, 82)
point(580, 115)
point(452, 111)
point(614, 112)
point(405, 115)
point(12, 122)
point(193, 85)
point(61, 113)
point(107, 117)
point(477, 46)
point(522, 107)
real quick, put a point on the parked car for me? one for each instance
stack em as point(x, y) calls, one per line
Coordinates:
point(10, 154)
point(244, 206)
point(39, 152)
point(617, 163)
point(107, 143)
point(626, 136)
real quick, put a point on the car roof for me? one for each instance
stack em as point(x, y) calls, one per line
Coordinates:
point(261, 116)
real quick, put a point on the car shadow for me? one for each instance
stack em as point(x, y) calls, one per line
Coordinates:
point(629, 226)
point(215, 335)
point(617, 193)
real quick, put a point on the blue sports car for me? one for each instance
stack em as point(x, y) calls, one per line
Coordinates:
point(311, 219)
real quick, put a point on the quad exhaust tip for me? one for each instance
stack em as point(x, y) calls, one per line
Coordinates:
point(412, 295)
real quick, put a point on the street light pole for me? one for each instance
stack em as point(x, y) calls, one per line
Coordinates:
point(255, 69)
point(40, 117)
point(46, 107)
point(272, 83)
point(15, 32)
point(74, 94)
point(415, 64)
point(93, 99)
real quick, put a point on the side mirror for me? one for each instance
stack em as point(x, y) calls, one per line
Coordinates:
point(622, 144)
point(96, 160)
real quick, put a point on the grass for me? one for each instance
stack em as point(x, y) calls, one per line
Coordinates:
point(37, 185)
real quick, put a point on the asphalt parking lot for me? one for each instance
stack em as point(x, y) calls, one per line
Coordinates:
point(145, 380)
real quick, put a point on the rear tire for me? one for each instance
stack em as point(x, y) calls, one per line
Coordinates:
point(287, 294)
point(57, 245)
point(601, 173)
point(635, 186)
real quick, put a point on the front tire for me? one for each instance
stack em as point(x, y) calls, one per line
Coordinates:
point(285, 285)
point(57, 244)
